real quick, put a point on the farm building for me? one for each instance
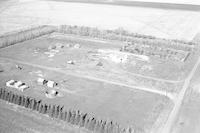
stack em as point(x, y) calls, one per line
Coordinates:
point(19, 85)
point(41, 81)
point(51, 84)
point(48, 83)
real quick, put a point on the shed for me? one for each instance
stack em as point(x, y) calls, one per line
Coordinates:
point(51, 93)
point(77, 46)
point(23, 87)
point(70, 62)
point(10, 83)
point(51, 84)
point(18, 84)
point(41, 81)
point(59, 45)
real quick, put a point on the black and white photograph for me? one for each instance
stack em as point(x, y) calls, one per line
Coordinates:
point(99, 66)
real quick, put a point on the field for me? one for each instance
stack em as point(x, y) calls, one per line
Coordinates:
point(188, 118)
point(15, 119)
point(134, 72)
point(136, 92)
point(119, 71)
point(82, 85)
point(173, 24)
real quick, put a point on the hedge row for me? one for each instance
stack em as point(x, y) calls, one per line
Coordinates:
point(121, 35)
point(74, 117)
point(95, 32)
point(118, 34)
point(29, 34)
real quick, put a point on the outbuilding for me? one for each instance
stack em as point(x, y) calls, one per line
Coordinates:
point(10, 83)
point(18, 84)
point(23, 87)
point(41, 81)
point(51, 93)
point(51, 84)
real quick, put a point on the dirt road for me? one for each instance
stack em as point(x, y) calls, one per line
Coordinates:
point(173, 115)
